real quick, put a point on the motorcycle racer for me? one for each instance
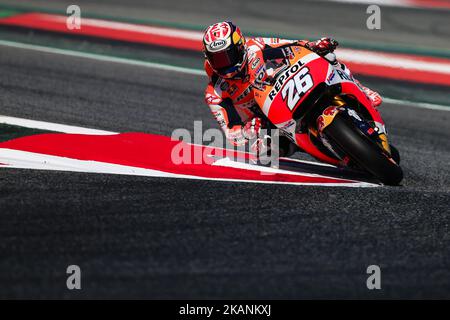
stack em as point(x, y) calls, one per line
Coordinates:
point(228, 59)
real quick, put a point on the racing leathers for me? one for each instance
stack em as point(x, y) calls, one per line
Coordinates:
point(231, 100)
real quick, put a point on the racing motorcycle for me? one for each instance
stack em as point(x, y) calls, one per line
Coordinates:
point(324, 112)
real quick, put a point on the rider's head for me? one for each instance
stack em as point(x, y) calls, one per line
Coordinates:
point(225, 48)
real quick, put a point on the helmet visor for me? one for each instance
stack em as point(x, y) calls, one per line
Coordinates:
point(225, 60)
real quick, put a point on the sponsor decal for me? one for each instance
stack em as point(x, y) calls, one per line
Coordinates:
point(331, 76)
point(327, 117)
point(224, 86)
point(320, 123)
point(330, 111)
point(288, 125)
point(288, 53)
point(260, 68)
point(282, 78)
point(343, 75)
point(244, 94)
point(352, 113)
point(260, 75)
point(217, 45)
point(255, 63)
point(220, 118)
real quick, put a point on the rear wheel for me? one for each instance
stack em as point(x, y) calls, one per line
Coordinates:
point(363, 151)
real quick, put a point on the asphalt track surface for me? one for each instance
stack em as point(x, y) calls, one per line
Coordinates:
point(139, 237)
point(413, 28)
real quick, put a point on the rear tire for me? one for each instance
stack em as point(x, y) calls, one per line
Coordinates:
point(363, 151)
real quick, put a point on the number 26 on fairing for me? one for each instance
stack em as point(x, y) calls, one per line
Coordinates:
point(296, 87)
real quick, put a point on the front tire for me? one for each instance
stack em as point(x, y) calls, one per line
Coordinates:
point(363, 151)
point(395, 154)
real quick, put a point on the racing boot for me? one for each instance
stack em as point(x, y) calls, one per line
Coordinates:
point(373, 96)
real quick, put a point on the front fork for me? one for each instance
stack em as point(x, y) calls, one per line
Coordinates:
point(375, 131)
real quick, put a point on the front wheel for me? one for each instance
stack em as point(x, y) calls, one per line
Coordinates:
point(363, 151)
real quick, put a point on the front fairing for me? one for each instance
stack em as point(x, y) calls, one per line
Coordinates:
point(274, 89)
point(285, 89)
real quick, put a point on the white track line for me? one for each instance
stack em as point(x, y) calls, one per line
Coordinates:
point(29, 160)
point(391, 3)
point(123, 26)
point(388, 60)
point(415, 104)
point(101, 57)
point(173, 68)
point(51, 126)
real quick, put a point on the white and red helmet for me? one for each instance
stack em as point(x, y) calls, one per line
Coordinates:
point(225, 49)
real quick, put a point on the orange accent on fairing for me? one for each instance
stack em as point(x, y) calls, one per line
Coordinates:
point(297, 56)
point(279, 111)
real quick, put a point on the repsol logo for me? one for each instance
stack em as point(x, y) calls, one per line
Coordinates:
point(218, 44)
point(244, 94)
point(279, 84)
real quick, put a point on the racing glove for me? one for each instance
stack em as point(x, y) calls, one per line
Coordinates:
point(252, 129)
point(323, 46)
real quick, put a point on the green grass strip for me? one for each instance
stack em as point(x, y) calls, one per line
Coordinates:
point(10, 132)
